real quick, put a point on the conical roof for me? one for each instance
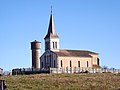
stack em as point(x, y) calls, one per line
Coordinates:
point(51, 29)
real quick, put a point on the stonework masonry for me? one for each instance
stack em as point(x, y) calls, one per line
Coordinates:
point(35, 47)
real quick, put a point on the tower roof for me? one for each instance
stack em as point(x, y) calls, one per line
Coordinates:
point(51, 29)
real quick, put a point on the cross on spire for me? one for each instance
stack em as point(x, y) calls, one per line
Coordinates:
point(51, 9)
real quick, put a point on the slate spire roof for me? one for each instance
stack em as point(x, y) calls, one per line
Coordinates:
point(51, 29)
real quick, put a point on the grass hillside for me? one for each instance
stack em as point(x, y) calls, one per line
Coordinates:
point(104, 81)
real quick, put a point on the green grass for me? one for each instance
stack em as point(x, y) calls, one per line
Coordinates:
point(104, 81)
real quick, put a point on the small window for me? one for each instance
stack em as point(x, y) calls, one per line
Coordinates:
point(42, 64)
point(70, 64)
point(87, 64)
point(61, 63)
point(78, 63)
point(56, 45)
point(54, 63)
point(50, 59)
point(98, 63)
point(45, 61)
point(53, 45)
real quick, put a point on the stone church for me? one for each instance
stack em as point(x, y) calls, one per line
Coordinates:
point(54, 57)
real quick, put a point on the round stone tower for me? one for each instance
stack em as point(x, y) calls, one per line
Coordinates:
point(35, 47)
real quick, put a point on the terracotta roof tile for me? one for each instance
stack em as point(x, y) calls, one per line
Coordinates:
point(75, 53)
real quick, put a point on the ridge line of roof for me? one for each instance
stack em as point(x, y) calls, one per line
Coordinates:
point(78, 50)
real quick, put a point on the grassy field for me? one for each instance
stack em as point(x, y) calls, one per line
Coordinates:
point(104, 81)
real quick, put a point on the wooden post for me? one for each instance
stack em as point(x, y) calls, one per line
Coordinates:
point(2, 85)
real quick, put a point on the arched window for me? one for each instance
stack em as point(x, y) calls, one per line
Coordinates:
point(87, 64)
point(45, 64)
point(61, 63)
point(54, 63)
point(42, 65)
point(56, 45)
point(78, 63)
point(70, 64)
point(53, 45)
point(98, 63)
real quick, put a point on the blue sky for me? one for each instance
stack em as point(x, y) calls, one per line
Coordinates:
point(81, 24)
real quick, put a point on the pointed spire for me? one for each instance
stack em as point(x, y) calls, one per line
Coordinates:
point(51, 29)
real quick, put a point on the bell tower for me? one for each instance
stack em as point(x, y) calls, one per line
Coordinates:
point(51, 39)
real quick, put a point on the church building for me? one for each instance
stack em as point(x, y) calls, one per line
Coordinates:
point(54, 57)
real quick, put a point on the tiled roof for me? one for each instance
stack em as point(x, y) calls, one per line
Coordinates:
point(75, 53)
